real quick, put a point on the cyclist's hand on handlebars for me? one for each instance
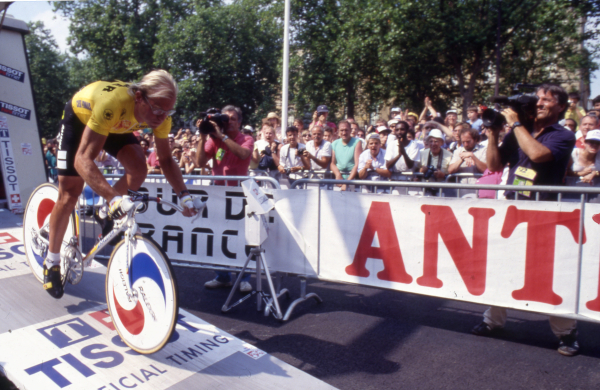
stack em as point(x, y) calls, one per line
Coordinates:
point(119, 206)
point(188, 205)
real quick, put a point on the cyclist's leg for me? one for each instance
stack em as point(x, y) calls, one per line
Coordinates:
point(69, 189)
point(126, 148)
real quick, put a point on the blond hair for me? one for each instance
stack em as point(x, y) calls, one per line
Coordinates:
point(156, 84)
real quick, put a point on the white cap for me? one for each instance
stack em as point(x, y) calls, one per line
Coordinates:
point(374, 136)
point(248, 127)
point(396, 109)
point(593, 135)
point(435, 133)
point(451, 112)
point(383, 128)
point(392, 121)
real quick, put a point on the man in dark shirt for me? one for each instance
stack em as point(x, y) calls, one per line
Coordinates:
point(538, 157)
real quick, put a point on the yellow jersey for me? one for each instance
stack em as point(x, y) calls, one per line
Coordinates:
point(106, 107)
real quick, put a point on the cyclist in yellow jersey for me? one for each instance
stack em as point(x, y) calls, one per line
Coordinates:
point(103, 116)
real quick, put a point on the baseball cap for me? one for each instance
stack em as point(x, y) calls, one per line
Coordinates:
point(248, 128)
point(451, 112)
point(392, 121)
point(396, 109)
point(413, 114)
point(435, 133)
point(171, 136)
point(373, 135)
point(381, 129)
point(593, 135)
point(322, 108)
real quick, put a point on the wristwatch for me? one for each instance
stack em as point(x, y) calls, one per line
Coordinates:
point(516, 124)
point(225, 138)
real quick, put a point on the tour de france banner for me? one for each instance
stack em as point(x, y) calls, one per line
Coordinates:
point(516, 254)
point(217, 236)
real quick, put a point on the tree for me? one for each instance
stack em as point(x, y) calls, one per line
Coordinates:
point(406, 50)
point(224, 54)
point(48, 74)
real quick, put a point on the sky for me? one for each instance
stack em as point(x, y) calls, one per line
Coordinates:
point(30, 11)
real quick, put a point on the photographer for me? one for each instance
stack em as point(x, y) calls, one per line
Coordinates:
point(230, 151)
point(540, 156)
point(434, 160)
point(292, 159)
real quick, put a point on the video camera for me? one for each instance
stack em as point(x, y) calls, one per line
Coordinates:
point(212, 114)
point(524, 104)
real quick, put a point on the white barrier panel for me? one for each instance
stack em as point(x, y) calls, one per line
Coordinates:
point(516, 254)
point(217, 236)
point(519, 254)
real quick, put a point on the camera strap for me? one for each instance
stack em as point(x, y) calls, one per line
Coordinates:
point(439, 163)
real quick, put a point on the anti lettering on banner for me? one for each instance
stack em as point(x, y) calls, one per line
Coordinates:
point(14, 110)
point(12, 73)
point(9, 168)
point(84, 351)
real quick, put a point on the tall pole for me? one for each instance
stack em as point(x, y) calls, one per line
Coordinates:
point(497, 87)
point(286, 63)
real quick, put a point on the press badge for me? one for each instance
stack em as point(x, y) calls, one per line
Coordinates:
point(524, 177)
point(220, 154)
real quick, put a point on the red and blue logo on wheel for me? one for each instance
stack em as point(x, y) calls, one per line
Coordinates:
point(141, 299)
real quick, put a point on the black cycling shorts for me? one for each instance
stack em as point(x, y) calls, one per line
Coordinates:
point(69, 138)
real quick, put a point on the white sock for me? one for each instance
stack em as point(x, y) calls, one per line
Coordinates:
point(52, 259)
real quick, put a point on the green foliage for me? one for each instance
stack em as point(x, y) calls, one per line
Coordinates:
point(48, 73)
point(224, 55)
point(401, 51)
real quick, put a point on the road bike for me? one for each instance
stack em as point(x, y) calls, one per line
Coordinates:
point(141, 290)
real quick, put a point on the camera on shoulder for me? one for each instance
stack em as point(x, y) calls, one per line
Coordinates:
point(214, 115)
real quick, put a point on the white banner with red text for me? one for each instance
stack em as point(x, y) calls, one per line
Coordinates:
point(515, 254)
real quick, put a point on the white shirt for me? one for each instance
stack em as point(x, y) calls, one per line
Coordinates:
point(289, 158)
point(378, 162)
point(412, 150)
point(479, 151)
point(323, 150)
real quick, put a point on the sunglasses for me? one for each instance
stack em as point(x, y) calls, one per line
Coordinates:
point(158, 111)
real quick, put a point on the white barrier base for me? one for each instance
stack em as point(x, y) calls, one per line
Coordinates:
point(70, 343)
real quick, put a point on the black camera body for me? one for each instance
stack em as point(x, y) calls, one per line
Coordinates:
point(212, 114)
point(429, 172)
point(301, 150)
point(524, 104)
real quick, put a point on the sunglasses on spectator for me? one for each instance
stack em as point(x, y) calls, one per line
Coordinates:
point(158, 111)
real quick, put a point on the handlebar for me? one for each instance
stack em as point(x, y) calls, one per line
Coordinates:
point(199, 205)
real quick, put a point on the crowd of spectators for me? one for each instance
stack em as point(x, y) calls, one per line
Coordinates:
point(431, 146)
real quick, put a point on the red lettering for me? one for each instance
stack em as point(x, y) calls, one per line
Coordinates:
point(595, 303)
point(539, 257)
point(6, 238)
point(470, 262)
point(103, 317)
point(379, 221)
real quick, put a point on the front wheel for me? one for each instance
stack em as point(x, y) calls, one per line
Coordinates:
point(142, 299)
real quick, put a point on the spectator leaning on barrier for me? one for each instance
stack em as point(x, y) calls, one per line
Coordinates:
point(153, 164)
point(371, 162)
point(588, 122)
point(434, 161)
point(345, 153)
point(536, 157)
point(585, 163)
point(318, 151)
point(470, 157)
point(401, 152)
point(266, 150)
point(291, 156)
point(231, 151)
